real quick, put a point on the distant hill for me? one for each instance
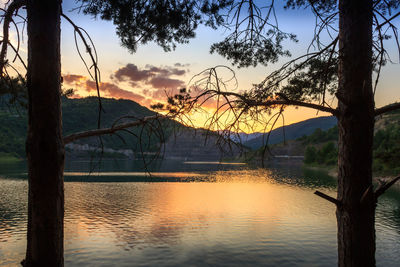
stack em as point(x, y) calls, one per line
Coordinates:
point(78, 115)
point(292, 131)
point(244, 137)
point(320, 147)
point(82, 114)
point(200, 145)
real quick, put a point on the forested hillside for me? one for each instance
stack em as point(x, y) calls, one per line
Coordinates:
point(79, 115)
point(292, 131)
point(321, 146)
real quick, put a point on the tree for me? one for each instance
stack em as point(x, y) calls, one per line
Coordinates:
point(310, 155)
point(166, 22)
point(343, 68)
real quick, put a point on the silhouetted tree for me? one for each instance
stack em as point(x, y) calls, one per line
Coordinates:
point(166, 22)
point(347, 47)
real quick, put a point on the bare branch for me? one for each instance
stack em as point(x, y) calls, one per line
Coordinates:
point(98, 132)
point(388, 20)
point(13, 7)
point(93, 57)
point(329, 198)
point(385, 186)
point(387, 108)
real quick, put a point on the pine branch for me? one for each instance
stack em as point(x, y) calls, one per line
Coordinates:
point(13, 7)
point(268, 103)
point(98, 132)
point(387, 108)
point(385, 186)
point(329, 198)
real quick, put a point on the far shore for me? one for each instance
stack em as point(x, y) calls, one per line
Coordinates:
point(333, 172)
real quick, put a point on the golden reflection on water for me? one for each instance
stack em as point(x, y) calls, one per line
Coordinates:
point(214, 163)
point(135, 174)
point(230, 218)
point(140, 214)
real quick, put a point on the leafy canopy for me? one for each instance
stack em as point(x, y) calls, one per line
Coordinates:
point(166, 22)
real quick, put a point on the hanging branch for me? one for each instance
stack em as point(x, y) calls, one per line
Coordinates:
point(12, 8)
point(98, 132)
point(269, 103)
point(93, 58)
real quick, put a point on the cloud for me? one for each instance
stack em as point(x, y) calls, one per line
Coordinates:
point(157, 77)
point(73, 78)
point(166, 71)
point(180, 65)
point(150, 83)
point(132, 73)
point(166, 83)
point(114, 91)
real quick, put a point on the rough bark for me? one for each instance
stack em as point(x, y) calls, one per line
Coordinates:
point(44, 145)
point(356, 219)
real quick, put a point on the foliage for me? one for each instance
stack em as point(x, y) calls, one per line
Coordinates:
point(320, 136)
point(310, 155)
point(13, 127)
point(387, 149)
point(9, 157)
point(327, 155)
point(13, 92)
point(166, 22)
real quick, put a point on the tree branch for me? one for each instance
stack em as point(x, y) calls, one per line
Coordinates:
point(329, 198)
point(385, 186)
point(283, 102)
point(93, 57)
point(76, 136)
point(300, 104)
point(388, 108)
point(14, 6)
point(387, 20)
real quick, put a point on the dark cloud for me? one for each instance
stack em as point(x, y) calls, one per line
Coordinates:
point(153, 83)
point(166, 83)
point(158, 77)
point(166, 71)
point(132, 73)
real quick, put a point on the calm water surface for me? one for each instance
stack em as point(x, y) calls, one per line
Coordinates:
point(205, 214)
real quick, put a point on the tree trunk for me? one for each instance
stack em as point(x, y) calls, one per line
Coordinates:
point(355, 218)
point(44, 145)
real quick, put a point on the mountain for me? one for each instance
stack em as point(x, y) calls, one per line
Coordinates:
point(292, 131)
point(82, 114)
point(244, 137)
point(200, 145)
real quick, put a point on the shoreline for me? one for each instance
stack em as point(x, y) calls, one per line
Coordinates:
point(333, 172)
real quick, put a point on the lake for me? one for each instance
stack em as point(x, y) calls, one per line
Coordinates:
point(192, 214)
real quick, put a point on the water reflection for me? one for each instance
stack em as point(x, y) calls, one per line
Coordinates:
point(227, 217)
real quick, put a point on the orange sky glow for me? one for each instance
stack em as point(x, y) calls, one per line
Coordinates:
point(150, 74)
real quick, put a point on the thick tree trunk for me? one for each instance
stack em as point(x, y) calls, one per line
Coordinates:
point(355, 218)
point(44, 146)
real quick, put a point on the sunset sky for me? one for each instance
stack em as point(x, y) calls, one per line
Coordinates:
point(146, 75)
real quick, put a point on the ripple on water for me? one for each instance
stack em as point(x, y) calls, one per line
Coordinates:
point(233, 218)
